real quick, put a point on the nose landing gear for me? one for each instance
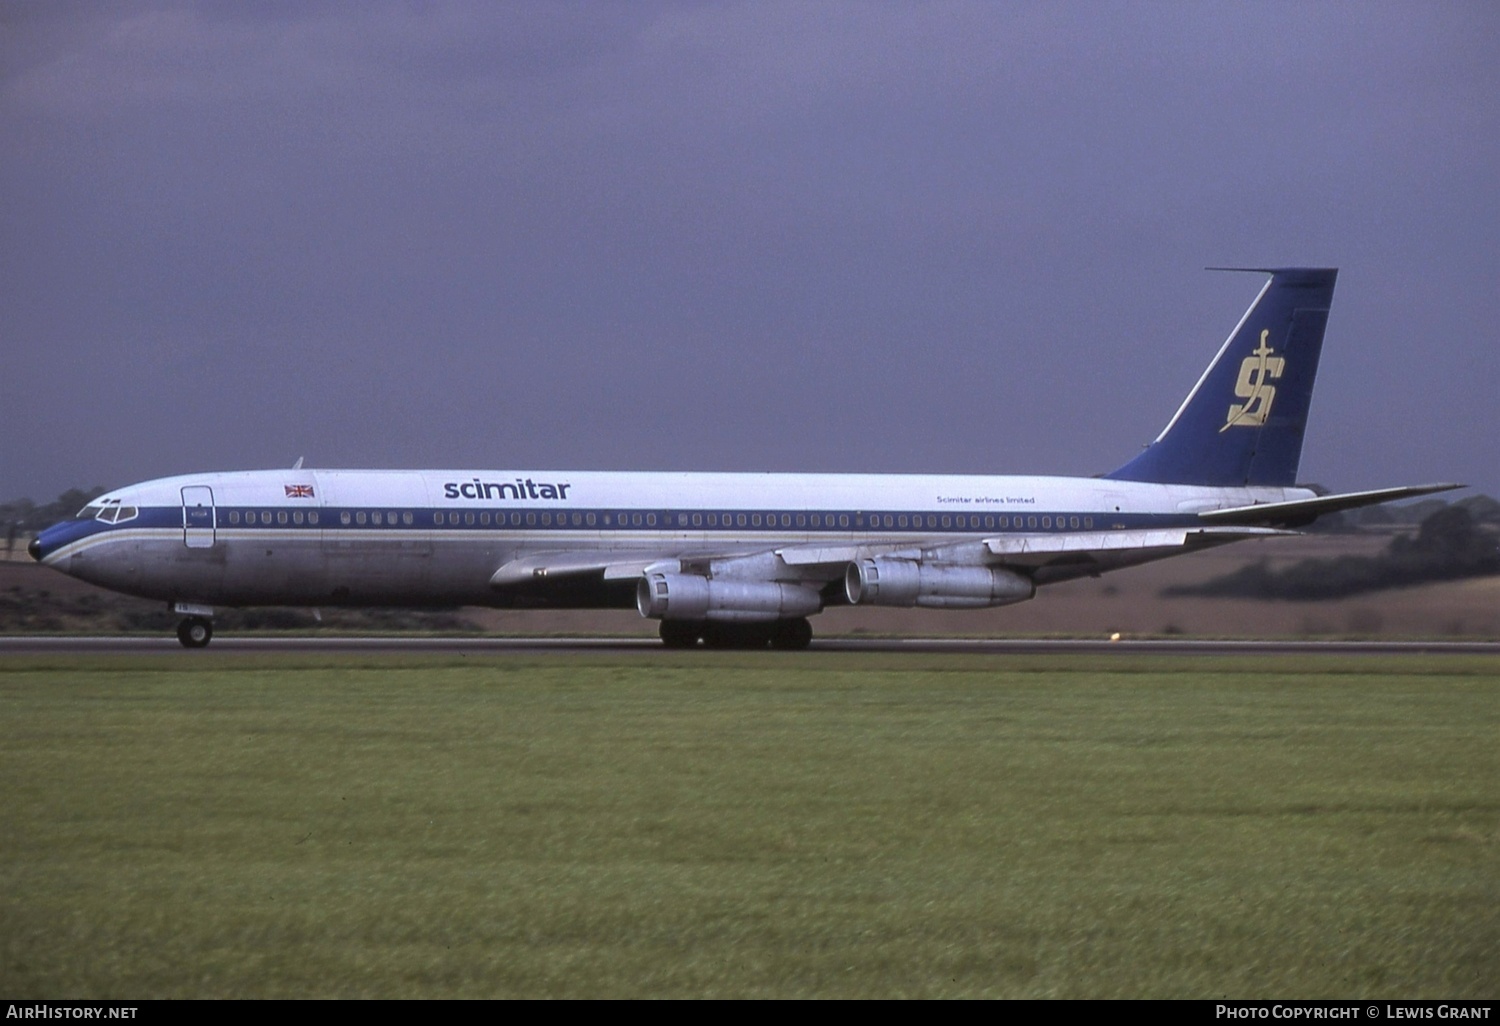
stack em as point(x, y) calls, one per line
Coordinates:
point(196, 629)
point(195, 632)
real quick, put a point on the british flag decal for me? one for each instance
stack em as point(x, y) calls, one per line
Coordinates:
point(299, 491)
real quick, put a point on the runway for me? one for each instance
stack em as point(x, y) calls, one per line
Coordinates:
point(573, 645)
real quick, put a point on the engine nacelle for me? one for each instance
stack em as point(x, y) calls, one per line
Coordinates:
point(905, 582)
point(690, 597)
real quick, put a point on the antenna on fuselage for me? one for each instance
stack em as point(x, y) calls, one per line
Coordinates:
point(298, 464)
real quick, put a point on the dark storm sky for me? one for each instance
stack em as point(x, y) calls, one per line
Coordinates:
point(731, 236)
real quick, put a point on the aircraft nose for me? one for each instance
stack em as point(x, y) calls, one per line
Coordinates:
point(34, 550)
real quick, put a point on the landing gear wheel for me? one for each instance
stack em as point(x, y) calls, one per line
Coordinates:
point(720, 635)
point(737, 635)
point(195, 632)
point(680, 633)
point(791, 634)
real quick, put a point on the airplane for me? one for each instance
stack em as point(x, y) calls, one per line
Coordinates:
point(731, 559)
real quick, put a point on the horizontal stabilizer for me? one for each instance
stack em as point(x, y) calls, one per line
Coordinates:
point(1306, 510)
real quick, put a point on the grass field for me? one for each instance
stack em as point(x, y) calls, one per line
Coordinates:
point(719, 824)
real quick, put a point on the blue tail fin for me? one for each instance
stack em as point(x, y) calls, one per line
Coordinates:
point(1242, 424)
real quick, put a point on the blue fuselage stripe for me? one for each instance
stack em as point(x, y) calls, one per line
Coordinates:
point(325, 521)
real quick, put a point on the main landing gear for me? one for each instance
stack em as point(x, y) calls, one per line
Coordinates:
point(780, 634)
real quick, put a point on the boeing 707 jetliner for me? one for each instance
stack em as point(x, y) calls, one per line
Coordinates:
point(730, 559)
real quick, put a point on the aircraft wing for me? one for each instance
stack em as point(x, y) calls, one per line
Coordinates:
point(622, 565)
point(827, 562)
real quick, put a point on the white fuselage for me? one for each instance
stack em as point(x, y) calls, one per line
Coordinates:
point(445, 537)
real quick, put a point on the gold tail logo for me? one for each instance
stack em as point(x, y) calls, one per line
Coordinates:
point(1259, 369)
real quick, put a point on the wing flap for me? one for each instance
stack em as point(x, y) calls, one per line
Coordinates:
point(812, 555)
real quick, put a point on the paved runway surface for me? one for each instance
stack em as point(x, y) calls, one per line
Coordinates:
point(496, 645)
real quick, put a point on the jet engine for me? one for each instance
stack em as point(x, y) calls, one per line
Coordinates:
point(663, 596)
point(906, 582)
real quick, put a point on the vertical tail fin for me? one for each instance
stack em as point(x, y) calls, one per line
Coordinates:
point(1243, 422)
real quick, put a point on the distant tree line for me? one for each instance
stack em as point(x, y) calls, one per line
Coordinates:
point(1482, 508)
point(1450, 544)
point(22, 518)
point(32, 517)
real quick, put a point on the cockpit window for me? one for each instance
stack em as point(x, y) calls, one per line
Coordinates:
point(109, 512)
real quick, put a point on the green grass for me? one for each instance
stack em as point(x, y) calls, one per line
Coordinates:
point(706, 824)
